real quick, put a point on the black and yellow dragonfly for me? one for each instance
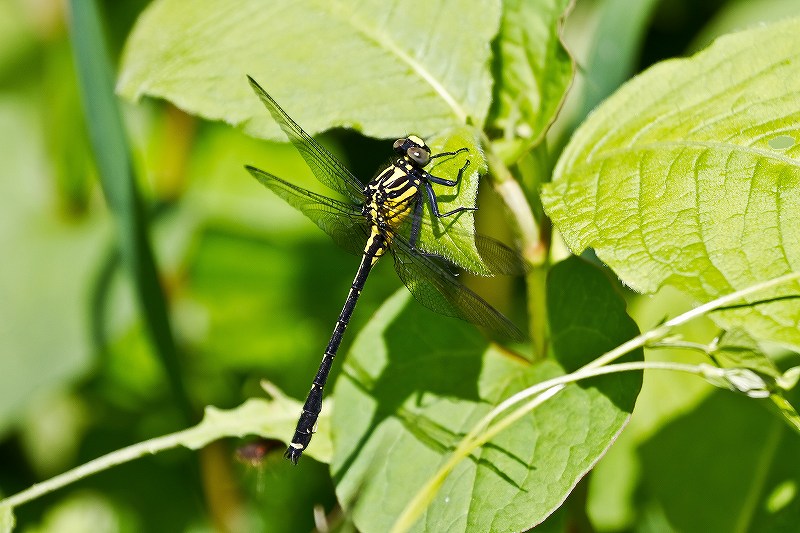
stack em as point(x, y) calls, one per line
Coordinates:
point(373, 222)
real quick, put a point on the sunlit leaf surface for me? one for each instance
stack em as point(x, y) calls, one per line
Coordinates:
point(383, 68)
point(536, 68)
point(690, 176)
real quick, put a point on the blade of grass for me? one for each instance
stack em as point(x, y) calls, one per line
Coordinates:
point(112, 155)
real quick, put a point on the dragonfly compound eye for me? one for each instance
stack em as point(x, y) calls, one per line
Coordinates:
point(419, 156)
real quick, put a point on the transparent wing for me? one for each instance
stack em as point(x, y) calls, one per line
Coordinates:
point(498, 258)
point(435, 287)
point(327, 169)
point(342, 221)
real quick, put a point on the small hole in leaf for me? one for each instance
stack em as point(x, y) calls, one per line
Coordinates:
point(781, 142)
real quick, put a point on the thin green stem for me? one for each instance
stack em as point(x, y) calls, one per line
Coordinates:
point(533, 248)
point(94, 466)
point(681, 345)
point(514, 198)
point(661, 331)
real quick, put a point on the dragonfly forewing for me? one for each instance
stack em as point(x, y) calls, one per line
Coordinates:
point(341, 220)
point(327, 169)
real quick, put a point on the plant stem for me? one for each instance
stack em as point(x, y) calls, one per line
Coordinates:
point(94, 466)
point(533, 248)
point(513, 196)
point(681, 345)
point(661, 331)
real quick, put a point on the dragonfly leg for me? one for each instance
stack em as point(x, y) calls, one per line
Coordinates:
point(454, 152)
point(449, 183)
point(416, 220)
point(413, 237)
point(446, 182)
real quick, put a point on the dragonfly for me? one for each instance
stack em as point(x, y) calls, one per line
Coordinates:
point(374, 221)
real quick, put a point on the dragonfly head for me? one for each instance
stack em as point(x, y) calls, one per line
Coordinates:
point(414, 149)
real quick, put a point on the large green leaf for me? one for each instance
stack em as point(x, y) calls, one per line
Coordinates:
point(688, 176)
point(533, 69)
point(587, 318)
point(384, 68)
point(414, 384)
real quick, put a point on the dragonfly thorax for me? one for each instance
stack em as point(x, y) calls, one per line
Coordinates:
point(391, 196)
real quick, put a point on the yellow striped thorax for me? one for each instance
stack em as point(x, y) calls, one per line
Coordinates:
point(393, 193)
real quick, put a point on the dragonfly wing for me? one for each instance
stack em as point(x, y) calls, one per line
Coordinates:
point(342, 221)
point(499, 258)
point(327, 169)
point(495, 257)
point(435, 287)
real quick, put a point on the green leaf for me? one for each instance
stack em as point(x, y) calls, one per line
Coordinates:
point(587, 318)
point(415, 383)
point(436, 237)
point(688, 176)
point(735, 348)
point(383, 68)
point(272, 419)
point(722, 467)
point(747, 369)
point(532, 68)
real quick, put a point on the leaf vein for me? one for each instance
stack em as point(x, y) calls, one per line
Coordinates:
point(388, 44)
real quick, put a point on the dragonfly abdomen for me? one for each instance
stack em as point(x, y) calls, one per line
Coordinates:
point(376, 246)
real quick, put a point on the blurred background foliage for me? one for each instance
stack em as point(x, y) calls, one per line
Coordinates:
point(253, 289)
